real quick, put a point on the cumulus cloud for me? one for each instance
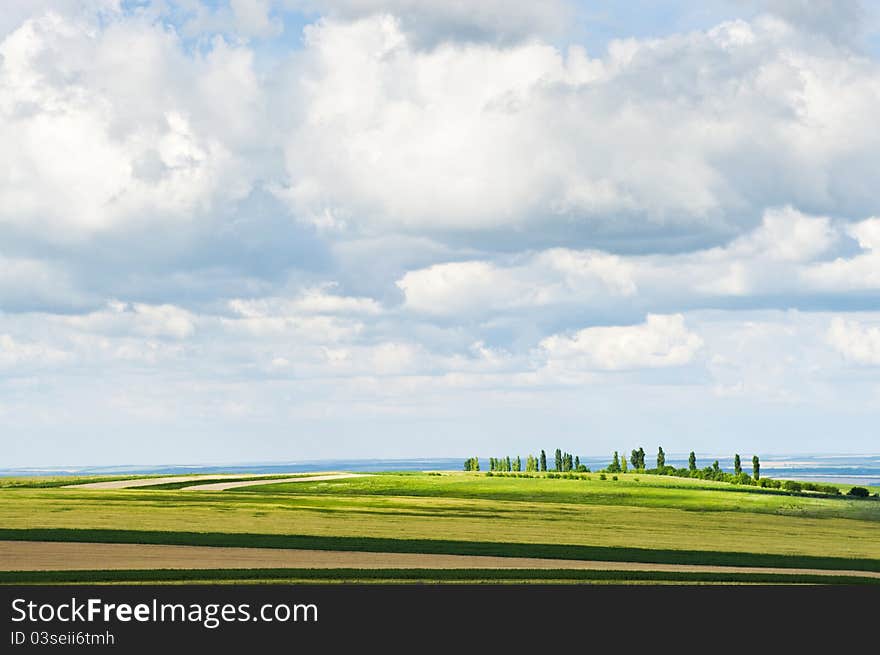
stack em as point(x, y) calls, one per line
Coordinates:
point(697, 131)
point(93, 139)
point(788, 253)
point(550, 277)
point(658, 342)
point(856, 272)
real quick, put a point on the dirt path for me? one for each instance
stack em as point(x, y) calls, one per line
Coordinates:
point(64, 556)
point(223, 486)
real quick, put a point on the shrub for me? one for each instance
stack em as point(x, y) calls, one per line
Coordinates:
point(602, 476)
point(614, 477)
point(859, 492)
point(791, 485)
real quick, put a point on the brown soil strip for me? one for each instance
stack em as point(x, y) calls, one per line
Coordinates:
point(69, 556)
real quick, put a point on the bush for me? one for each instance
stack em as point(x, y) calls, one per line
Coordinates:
point(602, 476)
point(791, 485)
point(614, 477)
point(859, 492)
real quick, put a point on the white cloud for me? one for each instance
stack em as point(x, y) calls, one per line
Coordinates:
point(136, 319)
point(783, 255)
point(658, 342)
point(555, 276)
point(18, 354)
point(859, 271)
point(433, 20)
point(311, 301)
point(94, 138)
point(700, 130)
point(857, 342)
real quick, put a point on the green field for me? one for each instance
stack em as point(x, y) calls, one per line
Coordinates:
point(638, 518)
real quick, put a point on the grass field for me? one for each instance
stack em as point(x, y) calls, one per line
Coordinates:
point(638, 518)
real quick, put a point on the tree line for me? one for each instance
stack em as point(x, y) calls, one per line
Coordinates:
point(637, 460)
point(563, 463)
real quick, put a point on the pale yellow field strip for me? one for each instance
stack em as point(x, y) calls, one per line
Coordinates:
point(69, 556)
point(146, 482)
point(223, 486)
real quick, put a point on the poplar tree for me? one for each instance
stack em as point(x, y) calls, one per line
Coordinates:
point(737, 464)
point(661, 459)
point(692, 462)
point(543, 461)
point(558, 460)
point(615, 464)
point(756, 467)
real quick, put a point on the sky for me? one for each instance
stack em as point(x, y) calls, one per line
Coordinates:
point(274, 230)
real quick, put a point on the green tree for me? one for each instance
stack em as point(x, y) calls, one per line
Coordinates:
point(543, 461)
point(517, 464)
point(756, 467)
point(661, 459)
point(507, 465)
point(623, 463)
point(692, 462)
point(737, 464)
point(614, 467)
point(577, 462)
point(558, 460)
point(641, 458)
point(634, 459)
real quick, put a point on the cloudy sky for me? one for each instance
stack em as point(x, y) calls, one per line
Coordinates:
point(249, 230)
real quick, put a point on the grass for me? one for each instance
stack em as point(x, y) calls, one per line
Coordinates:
point(413, 575)
point(48, 482)
point(445, 547)
point(629, 490)
point(655, 519)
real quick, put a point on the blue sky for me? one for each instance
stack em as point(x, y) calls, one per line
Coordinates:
point(272, 230)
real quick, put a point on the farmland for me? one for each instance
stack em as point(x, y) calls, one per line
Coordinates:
point(634, 519)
